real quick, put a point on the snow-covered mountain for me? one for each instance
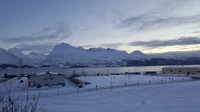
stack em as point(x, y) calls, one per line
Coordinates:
point(17, 52)
point(35, 57)
point(107, 54)
point(8, 58)
point(65, 53)
point(138, 55)
point(29, 59)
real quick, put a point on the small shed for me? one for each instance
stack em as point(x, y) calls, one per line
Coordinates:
point(46, 79)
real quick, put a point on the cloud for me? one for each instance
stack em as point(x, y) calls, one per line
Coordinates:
point(88, 46)
point(39, 48)
point(196, 32)
point(152, 22)
point(165, 15)
point(47, 34)
point(163, 43)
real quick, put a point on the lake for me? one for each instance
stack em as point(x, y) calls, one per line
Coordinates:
point(89, 71)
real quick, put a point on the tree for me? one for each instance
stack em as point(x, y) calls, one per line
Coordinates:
point(11, 103)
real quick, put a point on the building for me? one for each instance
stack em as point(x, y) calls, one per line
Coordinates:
point(46, 79)
point(3, 80)
point(9, 76)
point(187, 70)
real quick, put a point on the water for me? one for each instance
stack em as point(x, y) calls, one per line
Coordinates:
point(88, 71)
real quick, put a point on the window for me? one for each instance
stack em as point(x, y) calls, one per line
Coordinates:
point(44, 79)
point(179, 71)
point(171, 70)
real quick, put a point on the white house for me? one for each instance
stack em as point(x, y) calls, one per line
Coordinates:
point(46, 79)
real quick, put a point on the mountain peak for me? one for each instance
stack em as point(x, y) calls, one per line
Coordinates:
point(65, 45)
point(7, 57)
point(16, 52)
point(14, 48)
point(80, 48)
point(137, 52)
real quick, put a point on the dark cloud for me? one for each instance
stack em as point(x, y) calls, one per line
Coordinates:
point(196, 32)
point(163, 43)
point(152, 22)
point(159, 17)
point(46, 34)
point(40, 48)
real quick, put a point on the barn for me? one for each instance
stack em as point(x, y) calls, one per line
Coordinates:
point(46, 79)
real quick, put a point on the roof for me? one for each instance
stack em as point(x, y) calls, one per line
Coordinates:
point(45, 73)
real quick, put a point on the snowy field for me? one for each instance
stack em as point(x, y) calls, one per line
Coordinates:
point(120, 93)
point(119, 80)
point(174, 97)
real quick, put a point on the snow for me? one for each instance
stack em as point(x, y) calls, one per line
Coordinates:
point(174, 97)
point(117, 80)
point(145, 97)
point(15, 84)
point(29, 59)
point(137, 55)
point(42, 73)
point(7, 57)
point(35, 57)
point(17, 52)
point(64, 53)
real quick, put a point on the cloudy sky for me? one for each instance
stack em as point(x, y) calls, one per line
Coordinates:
point(151, 26)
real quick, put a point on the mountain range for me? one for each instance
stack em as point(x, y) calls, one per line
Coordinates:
point(67, 55)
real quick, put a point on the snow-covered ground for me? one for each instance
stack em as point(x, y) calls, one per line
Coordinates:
point(117, 80)
point(154, 96)
point(174, 97)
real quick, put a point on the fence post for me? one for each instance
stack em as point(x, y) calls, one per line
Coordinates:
point(96, 88)
point(78, 90)
point(57, 93)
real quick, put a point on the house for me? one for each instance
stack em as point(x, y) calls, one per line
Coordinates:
point(46, 79)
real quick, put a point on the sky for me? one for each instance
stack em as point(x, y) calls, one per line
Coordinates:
point(151, 26)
